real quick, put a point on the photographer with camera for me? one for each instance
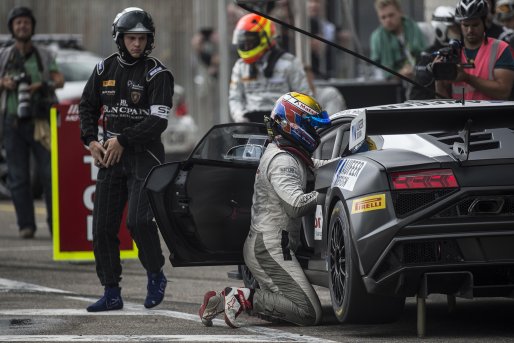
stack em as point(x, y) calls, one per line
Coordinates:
point(446, 30)
point(485, 70)
point(28, 79)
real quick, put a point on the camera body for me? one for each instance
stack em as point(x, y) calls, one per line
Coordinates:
point(24, 104)
point(447, 69)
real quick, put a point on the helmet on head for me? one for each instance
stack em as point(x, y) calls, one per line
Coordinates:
point(20, 11)
point(442, 18)
point(133, 20)
point(295, 117)
point(253, 36)
point(504, 9)
point(471, 9)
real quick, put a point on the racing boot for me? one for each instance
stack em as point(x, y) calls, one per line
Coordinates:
point(213, 304)
point(237, 300)
point(110, 301)
point(156, 285)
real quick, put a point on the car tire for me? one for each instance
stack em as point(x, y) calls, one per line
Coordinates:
point(350, 300)
point(248, 279)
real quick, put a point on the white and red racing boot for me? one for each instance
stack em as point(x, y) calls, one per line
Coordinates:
point(237, 300)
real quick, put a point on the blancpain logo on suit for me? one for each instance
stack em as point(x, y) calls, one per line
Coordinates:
point(126, 110)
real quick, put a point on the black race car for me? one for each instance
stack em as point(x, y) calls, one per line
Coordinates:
point(428, 207)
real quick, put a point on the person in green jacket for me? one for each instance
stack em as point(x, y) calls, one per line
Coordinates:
point(398, 41)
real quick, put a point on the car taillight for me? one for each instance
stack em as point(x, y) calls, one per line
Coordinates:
point(181, 109)
point(423, 179)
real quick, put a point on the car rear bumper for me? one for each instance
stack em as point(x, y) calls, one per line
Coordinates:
point(478, 264)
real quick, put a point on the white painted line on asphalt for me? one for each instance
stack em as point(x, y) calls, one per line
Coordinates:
point(130, 309)
point(7, 285)
point(140, 338)
point(27, 248)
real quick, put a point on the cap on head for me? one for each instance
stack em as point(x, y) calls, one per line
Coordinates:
point(20, 11)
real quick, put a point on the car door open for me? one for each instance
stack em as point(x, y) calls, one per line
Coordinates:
point(202, 205)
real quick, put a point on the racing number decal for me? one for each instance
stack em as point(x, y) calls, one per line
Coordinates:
point(370, 203)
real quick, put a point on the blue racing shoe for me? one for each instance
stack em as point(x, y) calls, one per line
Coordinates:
point(110, 301)
point(156, 285)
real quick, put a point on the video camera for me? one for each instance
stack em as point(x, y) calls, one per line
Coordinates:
point(447, 69)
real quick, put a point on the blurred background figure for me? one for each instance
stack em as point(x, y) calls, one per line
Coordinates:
point(398, 42)
point(263, 72)
point(492, 29)
point(445, 28)
point(322, 58)
point(505, 16)
point(206, 63)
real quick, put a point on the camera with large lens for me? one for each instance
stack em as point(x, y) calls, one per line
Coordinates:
point(447, 68)
point(24, 105)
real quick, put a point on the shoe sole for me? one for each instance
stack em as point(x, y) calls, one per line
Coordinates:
point(107, 309)
point(206, 302)
point(227, 320)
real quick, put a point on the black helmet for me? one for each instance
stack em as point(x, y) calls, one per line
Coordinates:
point(133, 20)
point(471, 9)
point(21, 11)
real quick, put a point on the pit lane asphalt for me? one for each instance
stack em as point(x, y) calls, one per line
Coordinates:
point(45, 300)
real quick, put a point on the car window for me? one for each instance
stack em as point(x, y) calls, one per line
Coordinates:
point(240, 143)
point(77, 67)
point(333, 142)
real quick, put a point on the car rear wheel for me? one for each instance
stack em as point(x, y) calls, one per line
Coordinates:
point(350, 300)
point(248, 279)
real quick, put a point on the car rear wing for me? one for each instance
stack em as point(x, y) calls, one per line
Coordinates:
point(439, 115)
point(429, 116)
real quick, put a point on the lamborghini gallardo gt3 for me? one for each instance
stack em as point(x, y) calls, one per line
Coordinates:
point(427, 208)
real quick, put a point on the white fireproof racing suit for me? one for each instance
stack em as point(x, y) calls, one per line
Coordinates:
point(256, 93)
point(279, 202)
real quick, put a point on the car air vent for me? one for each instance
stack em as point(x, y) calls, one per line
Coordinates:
point(406, 202)
point(479, 140)
point(475, 206)
point(436, 251)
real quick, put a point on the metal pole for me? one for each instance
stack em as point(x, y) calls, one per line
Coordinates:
point(224, 68)
point(303, 48)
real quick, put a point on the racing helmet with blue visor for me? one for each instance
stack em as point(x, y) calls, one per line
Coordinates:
point(295, 117)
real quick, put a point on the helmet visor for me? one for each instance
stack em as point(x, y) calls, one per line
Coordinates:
point(247, 41)
point(134, 22)
point(321, 120)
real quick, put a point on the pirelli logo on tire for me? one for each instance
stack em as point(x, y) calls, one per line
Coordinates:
point(370, 203)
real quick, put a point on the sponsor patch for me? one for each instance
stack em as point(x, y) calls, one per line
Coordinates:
point(161, 111)
point(109, 83)
point(347, 173)
point(132, 85)
point(154, 71)
point(357, 130)
point(135, 96)
point(109, 92)
point(288, 170)
point(371, 203)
